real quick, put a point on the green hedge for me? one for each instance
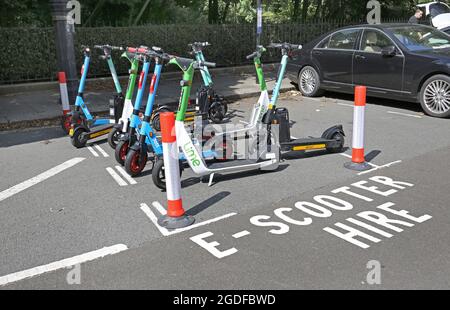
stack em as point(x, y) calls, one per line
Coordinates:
point(29, 54)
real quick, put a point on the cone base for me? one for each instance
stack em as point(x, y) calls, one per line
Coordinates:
point(357, 166)
point(175, 222)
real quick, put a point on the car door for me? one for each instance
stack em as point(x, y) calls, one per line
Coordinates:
point(381, 74)
point(334, 56)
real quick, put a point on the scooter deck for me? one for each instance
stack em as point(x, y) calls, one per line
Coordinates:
point(306, 144)
point(101, 130)
point(234, 164)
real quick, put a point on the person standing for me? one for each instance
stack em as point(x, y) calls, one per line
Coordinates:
point(416, 17)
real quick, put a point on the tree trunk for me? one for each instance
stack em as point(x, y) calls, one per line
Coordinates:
point(296, 8)
point(213, 11)
point(94, 12)
point(318, 9)
point(144, 7)
point(305, 10)
point(225, 12)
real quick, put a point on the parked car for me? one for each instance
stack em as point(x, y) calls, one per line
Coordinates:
point(398, 61)
point(437, 14)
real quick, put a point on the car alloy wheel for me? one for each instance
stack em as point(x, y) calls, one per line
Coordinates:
point(437, 96)
point(308, 81)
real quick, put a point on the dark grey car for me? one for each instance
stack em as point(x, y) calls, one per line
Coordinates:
point(399, 61)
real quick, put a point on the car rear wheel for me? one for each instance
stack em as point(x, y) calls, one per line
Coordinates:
point(309, 82)
point(435, 96)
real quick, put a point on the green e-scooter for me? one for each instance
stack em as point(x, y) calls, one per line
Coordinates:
point(266, 157)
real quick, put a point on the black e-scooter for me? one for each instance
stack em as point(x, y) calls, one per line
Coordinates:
point(332, 140)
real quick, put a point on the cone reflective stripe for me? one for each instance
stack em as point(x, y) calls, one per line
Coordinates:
point(64, 92)
point(358, 160)
point(173, 185)
point(175, 217)
point(358, 125)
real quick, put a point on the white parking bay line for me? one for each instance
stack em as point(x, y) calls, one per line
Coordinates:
point(404, 114)
point(346, 104)
point(126, 175)
point(65, 263)
point(159, 207)
point(380, 167)
point(92, 151)
point(39, 178)
point(165, 232)
point(116, 177)
point(101, 150)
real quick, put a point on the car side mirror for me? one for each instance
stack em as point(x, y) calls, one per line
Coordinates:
point(389, 51)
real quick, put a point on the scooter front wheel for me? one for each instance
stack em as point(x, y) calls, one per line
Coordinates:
point(78, 139)
point(159, 175)
point(113, 137)
point(121, 151)
point(134, 164)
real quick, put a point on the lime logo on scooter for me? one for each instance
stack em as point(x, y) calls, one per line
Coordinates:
point(191, 154)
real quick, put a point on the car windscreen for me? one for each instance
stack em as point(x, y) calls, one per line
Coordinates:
point(421, 38)
point(438, 8)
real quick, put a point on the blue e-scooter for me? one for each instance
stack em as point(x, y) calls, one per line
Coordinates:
point(84, 126)
point(129, 138)
point(146, 140)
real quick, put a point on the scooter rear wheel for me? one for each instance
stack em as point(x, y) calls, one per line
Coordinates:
point(121, 151)
point(78, 140)
point(156, 119)
point(159, 175)
point(113, 137)
point(339, 138)
point(217, 113)
point(133, 163)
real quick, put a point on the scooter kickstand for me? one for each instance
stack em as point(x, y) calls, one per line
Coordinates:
point(211, 177)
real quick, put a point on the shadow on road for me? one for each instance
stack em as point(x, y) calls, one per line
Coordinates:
point(25, 136)
point(207, 203)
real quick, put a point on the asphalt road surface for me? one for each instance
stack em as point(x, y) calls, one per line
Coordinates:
point(311, 224)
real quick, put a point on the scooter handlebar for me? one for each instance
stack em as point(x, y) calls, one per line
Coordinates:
point(259, 50)
point(199, 44)
point(137, 50)
point(208, 64)
point(285, 45)
point(109, 47)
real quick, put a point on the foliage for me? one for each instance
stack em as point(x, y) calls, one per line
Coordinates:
point(100, 13)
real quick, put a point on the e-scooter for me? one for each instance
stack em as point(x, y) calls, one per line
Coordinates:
point(122, 125)
point(208, 103)
point(84, 126)
point(145, 140)
point(129, 138)
point(265, 159)
point(260, 108)
point(332, 140)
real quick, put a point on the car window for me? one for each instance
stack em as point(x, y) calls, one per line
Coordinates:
point(421, 38)
point(438, 8)
point(374, 41)
point(324, 43)
point(343, 39)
